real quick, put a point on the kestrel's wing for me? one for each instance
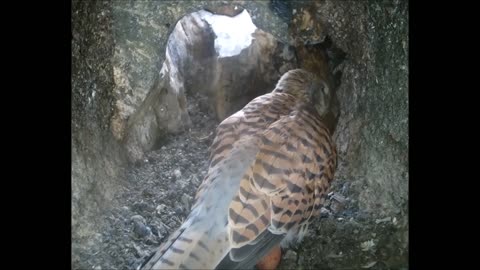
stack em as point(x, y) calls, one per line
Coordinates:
point(282, 189)
point(250, 122)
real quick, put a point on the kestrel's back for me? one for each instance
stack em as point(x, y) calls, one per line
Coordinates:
point(271, 165)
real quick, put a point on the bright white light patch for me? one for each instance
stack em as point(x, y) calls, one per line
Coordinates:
point(233, 33)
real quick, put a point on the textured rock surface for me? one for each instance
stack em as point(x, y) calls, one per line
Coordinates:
point(228, 77)
point(206, 53)
point(365, 224)
point(97, 160)
point(140, 31)
point(372, 136)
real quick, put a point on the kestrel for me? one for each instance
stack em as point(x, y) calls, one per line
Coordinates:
point(271, 165)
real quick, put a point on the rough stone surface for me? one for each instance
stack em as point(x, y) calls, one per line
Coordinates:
point(364, 225)
point(372, 137)
point(198, 60)
point(97, 160)
point(140, 32)
point(231, 81)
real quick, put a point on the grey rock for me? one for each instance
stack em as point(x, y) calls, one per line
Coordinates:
point(139, 228)
point(137, 218)
point(177, 173)
point(186, 201)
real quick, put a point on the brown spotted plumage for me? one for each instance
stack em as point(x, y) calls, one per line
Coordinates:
point(271, 165)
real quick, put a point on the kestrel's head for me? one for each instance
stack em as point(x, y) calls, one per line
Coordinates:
point(308, 88)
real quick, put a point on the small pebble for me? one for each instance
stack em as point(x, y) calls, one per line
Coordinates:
point(177, 173)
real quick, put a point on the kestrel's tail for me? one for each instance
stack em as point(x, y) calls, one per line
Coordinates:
point(249, 255)
point(191, 247)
